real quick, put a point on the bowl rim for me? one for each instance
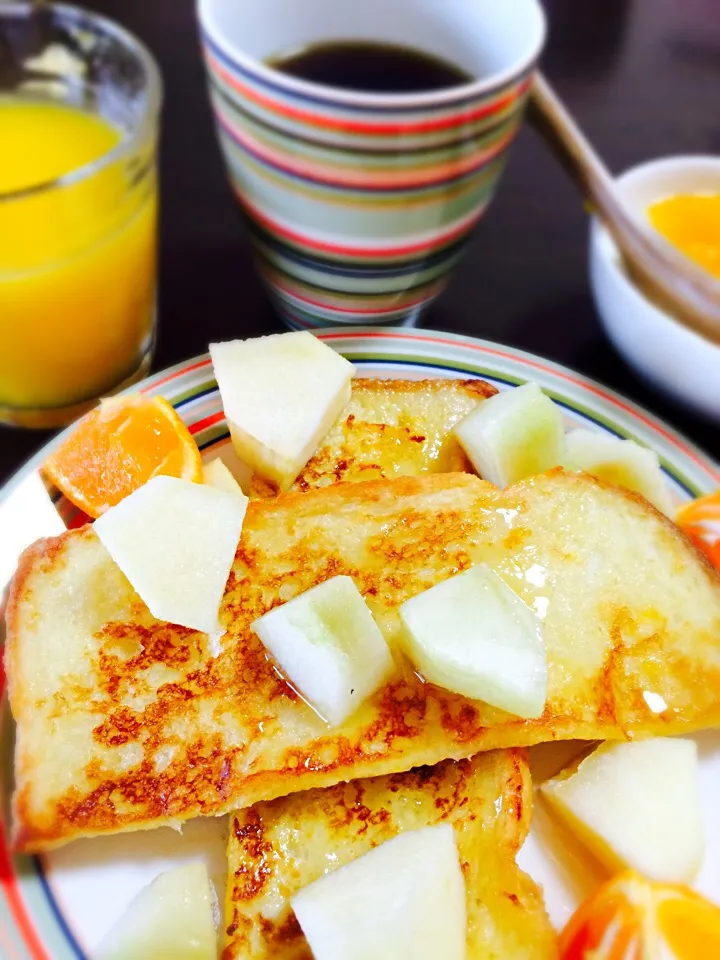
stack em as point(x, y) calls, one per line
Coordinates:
point(324, 94)
point(679, 162)
point(604, 247)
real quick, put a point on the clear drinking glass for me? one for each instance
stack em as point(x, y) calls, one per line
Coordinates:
point(77, 253)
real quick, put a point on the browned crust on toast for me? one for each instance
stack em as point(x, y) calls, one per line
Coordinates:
point(391, 427)
point(277, 848)
point(260, 741)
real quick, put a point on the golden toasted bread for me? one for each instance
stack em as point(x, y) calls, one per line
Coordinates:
point(126, 722)
point(277, 848)
point(391, 428)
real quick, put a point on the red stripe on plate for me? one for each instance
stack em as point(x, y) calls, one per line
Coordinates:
point(10, 888)
point(77, 520)
point(8, 949)
point(179, 373)
point(17, 907)
point(207, 422)
point(545, 369)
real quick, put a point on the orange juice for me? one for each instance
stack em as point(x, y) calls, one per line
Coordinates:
point(77, 257)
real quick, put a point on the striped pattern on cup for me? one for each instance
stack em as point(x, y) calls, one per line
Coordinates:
point(358, 212)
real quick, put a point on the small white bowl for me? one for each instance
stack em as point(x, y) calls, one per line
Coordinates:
point(672, 358)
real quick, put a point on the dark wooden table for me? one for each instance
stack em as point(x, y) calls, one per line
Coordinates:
point(642, 76)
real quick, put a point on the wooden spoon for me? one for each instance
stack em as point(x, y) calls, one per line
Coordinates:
point(666, 276)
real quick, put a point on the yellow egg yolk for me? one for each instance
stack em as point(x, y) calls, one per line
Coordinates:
point(691, 222)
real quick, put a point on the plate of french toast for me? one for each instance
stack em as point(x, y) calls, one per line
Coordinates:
point(374, 644)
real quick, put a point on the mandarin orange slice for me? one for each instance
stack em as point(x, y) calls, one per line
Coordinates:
point(632, 918)
point(118, 447)
point(700, 519)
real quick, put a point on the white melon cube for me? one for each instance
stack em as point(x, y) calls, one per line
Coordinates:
point(623, 463)
point(327, 644)
point(516, 434)
point(404, 900)
point(636, 805)
point(473, 635)
point(281, 395)
point(237, 467)
point(171, 919)
point(175, 541)
point(216, 474)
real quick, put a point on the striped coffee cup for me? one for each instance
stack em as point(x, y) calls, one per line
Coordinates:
point(359, 204)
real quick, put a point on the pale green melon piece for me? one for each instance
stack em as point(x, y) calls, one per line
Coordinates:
point(327, 644)
point(636, 805)
point(513, 435)
point(404, 900)
point(473, 635)
point(173, 918)
point(217, 474)
point(623, 463)
point(175, 541)
point(281, 394)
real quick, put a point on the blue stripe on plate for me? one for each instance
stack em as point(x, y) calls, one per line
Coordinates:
point(211, 443)
point(59, 918)
point(196, 396)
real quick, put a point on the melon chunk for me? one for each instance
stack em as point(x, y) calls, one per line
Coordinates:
point(516, 434)
point(328, 646)
point(171, 919)
point(636, 805)
point(623, 463)
point(216, 474)
point(281, 394)
point(473, 635)
point(175, 541)
point(404, 899)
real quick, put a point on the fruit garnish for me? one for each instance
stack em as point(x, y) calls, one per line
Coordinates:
point(217, 474)
point(281, 394)
point(700, 520)
point(119, 446)
point(623, 463)
point(632, 918)
point(329, 647)
point(175, 542)
point(473, 635)
point(691, 222)
point(516, 434)
point(636, 804)
point(171, 919)
point(404, 900)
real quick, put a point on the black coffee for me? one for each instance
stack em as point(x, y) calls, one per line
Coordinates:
point(371, 67)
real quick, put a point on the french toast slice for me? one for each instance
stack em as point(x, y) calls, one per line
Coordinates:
point(391, 428)
point(277, 848)
point(125, 722)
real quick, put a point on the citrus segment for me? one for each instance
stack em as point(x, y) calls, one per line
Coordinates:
point(118, 447)
point(632, 918)
point(608, 926)
point(700, 520)
point(690, 926)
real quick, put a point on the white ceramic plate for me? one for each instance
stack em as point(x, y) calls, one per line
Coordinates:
point(59, 906)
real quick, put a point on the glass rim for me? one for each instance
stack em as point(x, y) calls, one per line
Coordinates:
point(138, 130)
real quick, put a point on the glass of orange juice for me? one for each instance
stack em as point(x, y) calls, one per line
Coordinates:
point(79, 113)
